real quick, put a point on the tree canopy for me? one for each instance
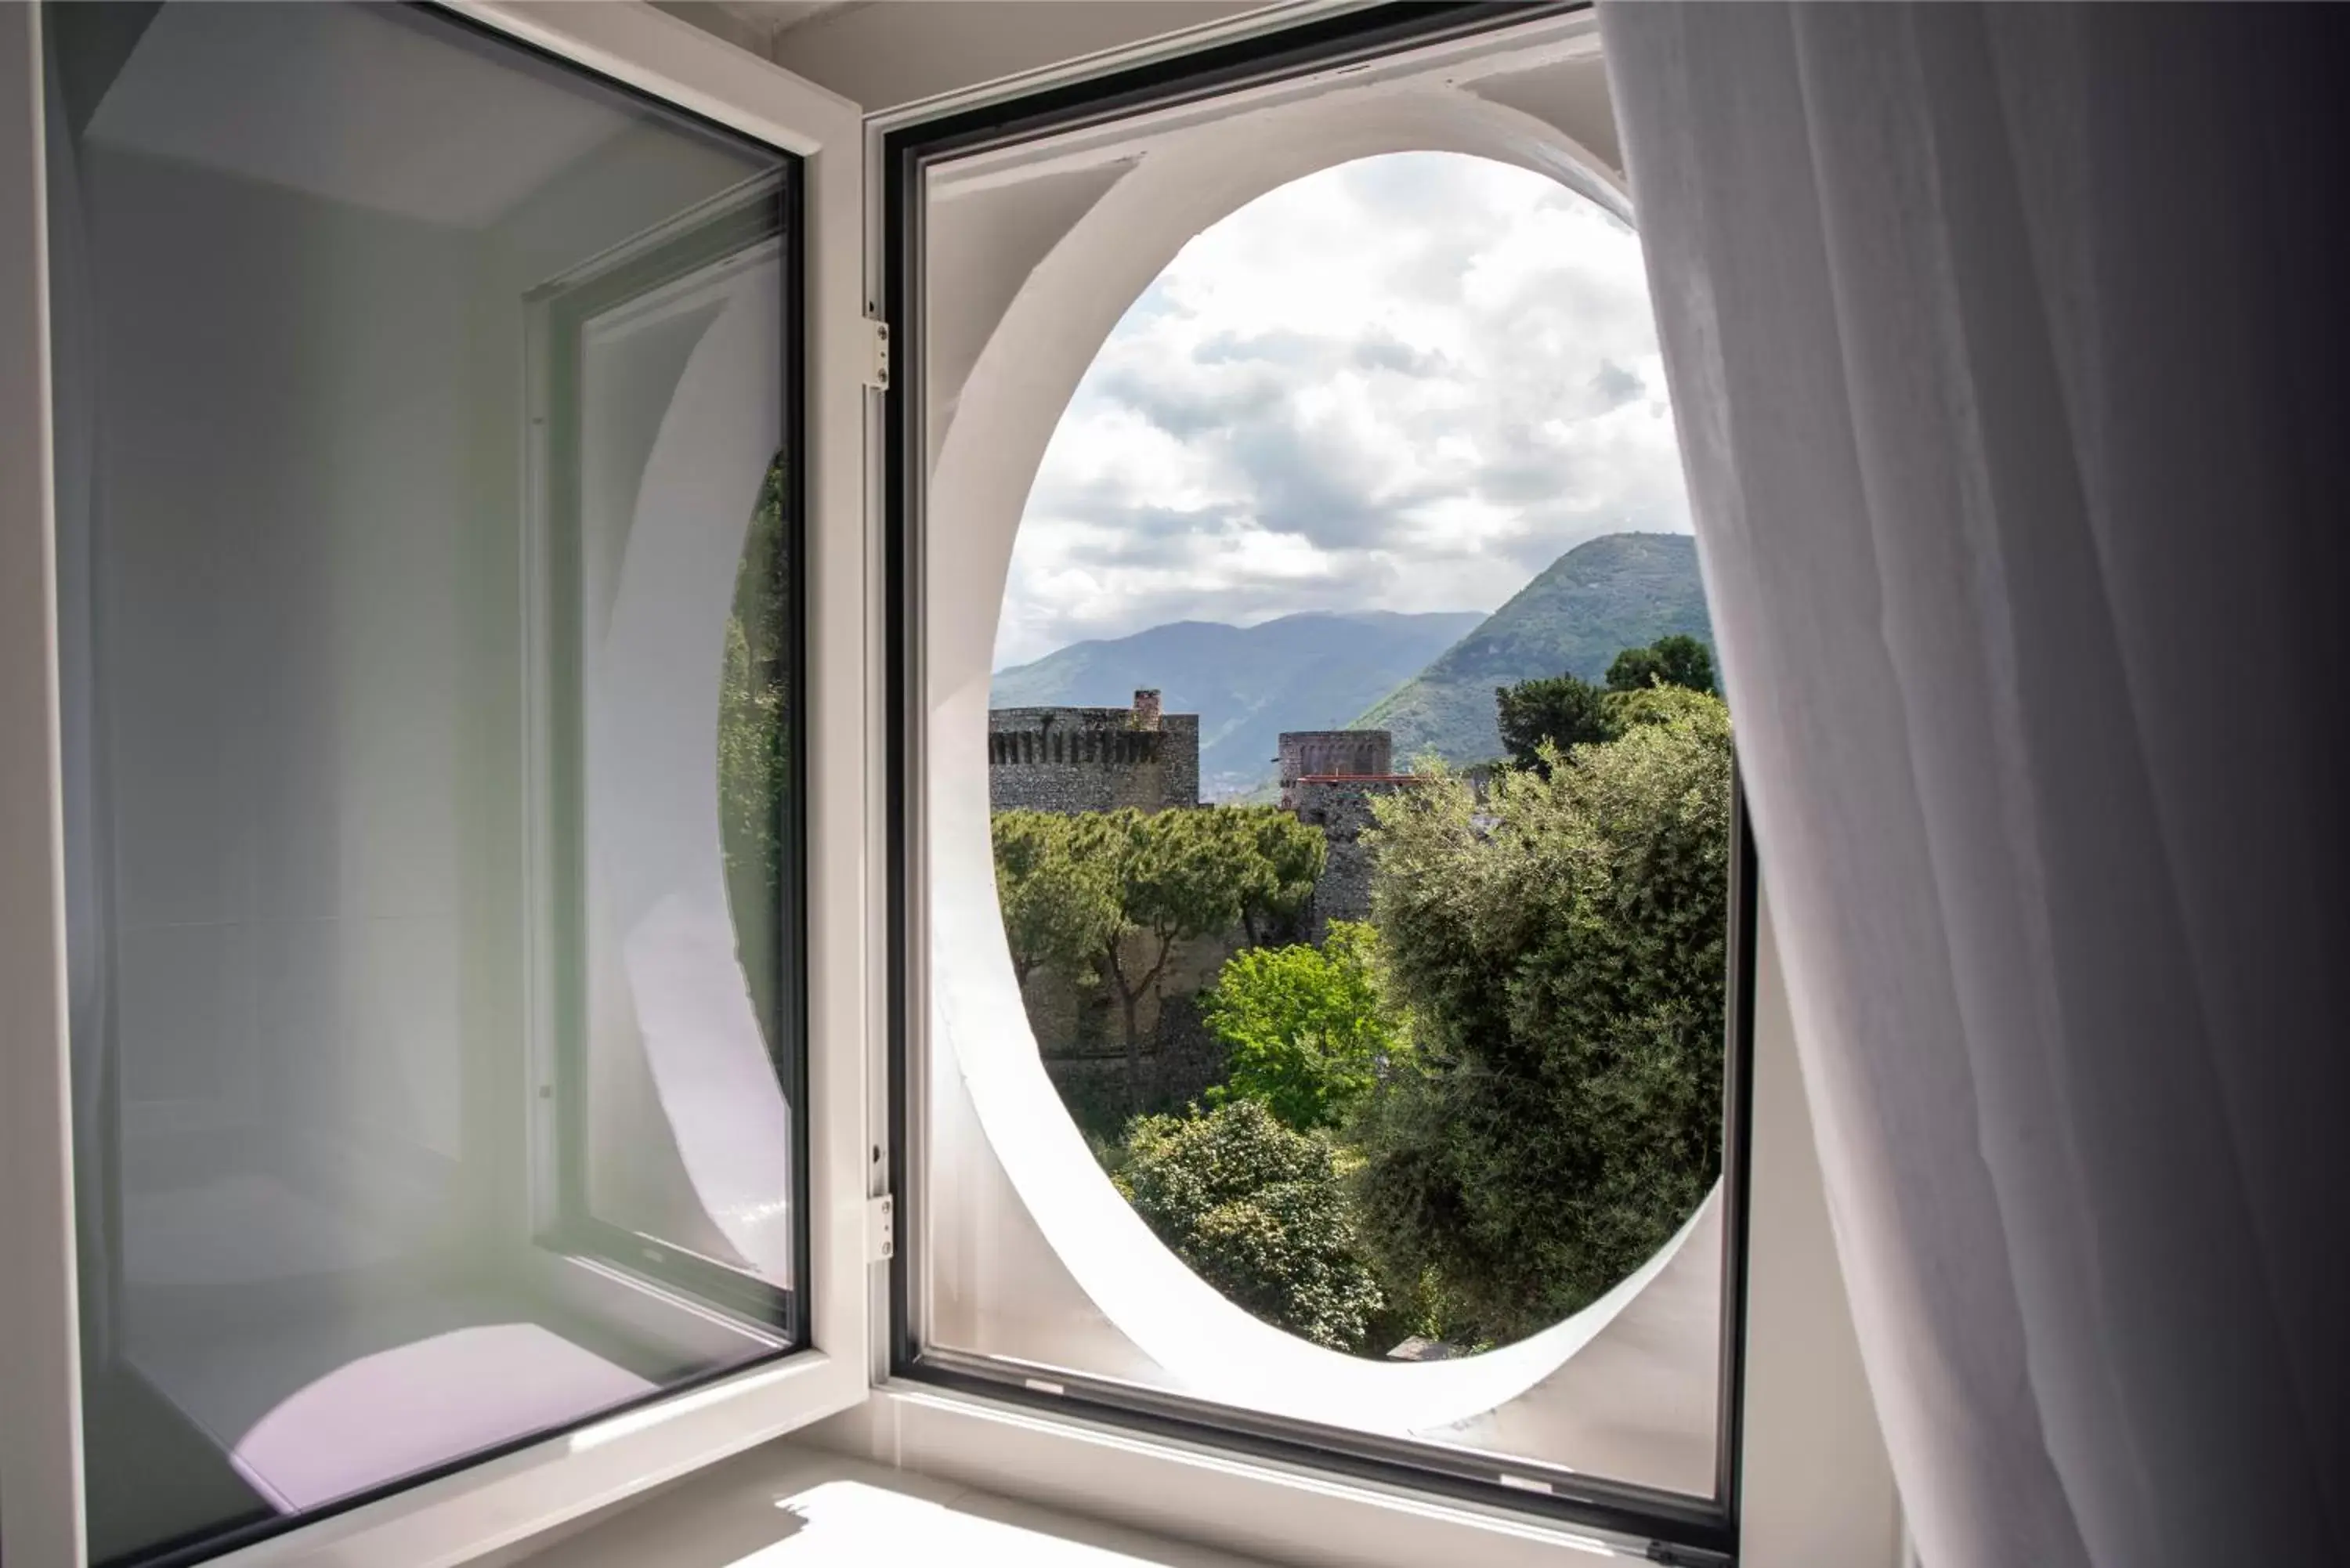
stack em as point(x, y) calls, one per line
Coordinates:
point(1285, 859)
point(1307, 1029)
point(1675, 660)
point(1113, 893)
point(1179, 876)
point(1561, 711)
point(1059, 905)
point(1561, 948)
point(1478, 1112)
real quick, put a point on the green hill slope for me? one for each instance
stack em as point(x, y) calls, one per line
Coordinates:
point(1619, 591)
point(1311, 672)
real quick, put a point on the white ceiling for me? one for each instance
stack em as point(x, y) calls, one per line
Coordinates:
point(776, 14)
point(884, 54)
point(751, 25)
point(347, 104)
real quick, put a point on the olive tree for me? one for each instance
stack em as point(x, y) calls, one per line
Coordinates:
point(1114, 894)
point(1177, 878)
point(1182, 875)
point(1560, 946)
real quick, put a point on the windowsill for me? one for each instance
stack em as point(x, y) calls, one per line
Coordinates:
point(790, 1505)
point(917, 1475)
point(1167, 1490)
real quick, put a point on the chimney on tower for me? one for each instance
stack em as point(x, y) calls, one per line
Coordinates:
point(1146, 709)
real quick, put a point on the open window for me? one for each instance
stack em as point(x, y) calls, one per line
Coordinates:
point(1327, 917)
point(454, 422)
point(440, 495)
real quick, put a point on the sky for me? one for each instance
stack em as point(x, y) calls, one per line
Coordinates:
point(1408, 383)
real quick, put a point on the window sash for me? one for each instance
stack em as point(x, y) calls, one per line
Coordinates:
point(510, 1497)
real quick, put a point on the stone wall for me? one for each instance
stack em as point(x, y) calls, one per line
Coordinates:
point(1081, 1036)
point(1071, 760)
point(1341, 808)
point(1183, 1061)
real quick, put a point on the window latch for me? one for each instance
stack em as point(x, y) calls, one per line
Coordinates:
point(877, 367)
point(881, 1228)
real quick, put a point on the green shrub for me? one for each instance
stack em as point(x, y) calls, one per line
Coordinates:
point(1257, 1210)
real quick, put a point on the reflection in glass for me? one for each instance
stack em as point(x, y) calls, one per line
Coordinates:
point(684, 1156)
point(755, 755)
point(434, 1040)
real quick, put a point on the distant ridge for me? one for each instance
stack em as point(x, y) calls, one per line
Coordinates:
point(1310, 672)
point(1617, 591)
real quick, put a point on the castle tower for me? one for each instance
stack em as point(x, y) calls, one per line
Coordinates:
point(1332, 753)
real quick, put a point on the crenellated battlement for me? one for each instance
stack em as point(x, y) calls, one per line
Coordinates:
point(1072, 746)
point(1093, 759)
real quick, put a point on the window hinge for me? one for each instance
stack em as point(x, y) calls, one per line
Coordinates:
point(881, 1228)
point(876, 368)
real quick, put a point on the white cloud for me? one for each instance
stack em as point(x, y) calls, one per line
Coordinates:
point(1405, 383)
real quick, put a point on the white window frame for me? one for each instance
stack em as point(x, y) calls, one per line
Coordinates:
point(504, 1500)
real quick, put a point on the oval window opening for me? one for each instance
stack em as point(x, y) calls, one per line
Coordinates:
point(1359, 778)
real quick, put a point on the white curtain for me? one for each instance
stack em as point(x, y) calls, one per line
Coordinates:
point(2009, 348)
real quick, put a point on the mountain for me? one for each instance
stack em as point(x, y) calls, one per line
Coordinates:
point(1311, 671)
point(1619, 591)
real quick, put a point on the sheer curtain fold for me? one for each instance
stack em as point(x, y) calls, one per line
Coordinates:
point(2005, 365)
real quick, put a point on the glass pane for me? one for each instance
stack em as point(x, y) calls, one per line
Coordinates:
point(429, 645)
point(1331, 902)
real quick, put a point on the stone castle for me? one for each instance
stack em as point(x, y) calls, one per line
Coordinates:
point(1329, 778)
point(1071, 760)
point(1093, 759)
